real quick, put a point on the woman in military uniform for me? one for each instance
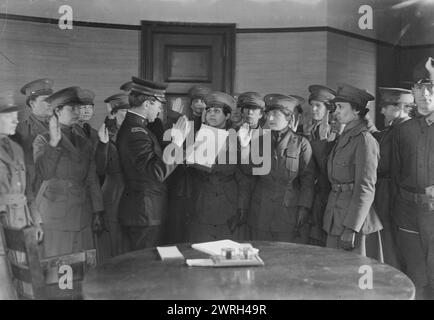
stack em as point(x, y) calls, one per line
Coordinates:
point(352, 172)
point(321, 137)
point(221, 194)
point(281, 199)
point(111, 245)
point(16, 210)
point(70, 198)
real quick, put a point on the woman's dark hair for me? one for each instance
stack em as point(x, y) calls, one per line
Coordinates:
point(245, 107)
point(136, 99)
point(363, 111)
point(226, 109)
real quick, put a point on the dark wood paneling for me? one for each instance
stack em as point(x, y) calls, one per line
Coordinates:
point(387, 75)
point(152, 29)
point(409, 58)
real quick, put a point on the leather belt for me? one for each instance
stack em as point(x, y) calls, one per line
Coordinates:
point(342, 187)
point(13, 199)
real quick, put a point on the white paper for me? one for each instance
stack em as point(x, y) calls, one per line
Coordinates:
point(209, 141)
point(169, 253)
point(199, 262)
point(214, 248)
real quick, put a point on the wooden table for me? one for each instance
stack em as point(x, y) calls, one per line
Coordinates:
point(291, 271)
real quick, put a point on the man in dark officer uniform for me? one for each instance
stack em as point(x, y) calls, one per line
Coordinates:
point(413, 173)
point(36, 123)
point(395, 105)
point(143, 205)
point(157, 127)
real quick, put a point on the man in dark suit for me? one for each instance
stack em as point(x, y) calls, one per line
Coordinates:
point(143, 206)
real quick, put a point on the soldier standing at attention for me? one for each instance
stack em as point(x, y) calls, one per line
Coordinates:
point(143, 205)
point(16, 209)
point(36, 123)
point(413, 174)
point(352, 172)
point(319, 133)
point(70, 197)
point(395, 104)
point(281, 200)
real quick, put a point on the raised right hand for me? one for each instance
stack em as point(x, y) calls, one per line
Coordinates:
point(180, 130)
point(55, 133)
point(244, 135)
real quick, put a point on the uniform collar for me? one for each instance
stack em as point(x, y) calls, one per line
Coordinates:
point(136, 118)
point(352, 129)
point(429, 119)
point(399, 120)
point(42, 119)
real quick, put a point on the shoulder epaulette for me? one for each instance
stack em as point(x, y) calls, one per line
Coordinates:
point(138, 129)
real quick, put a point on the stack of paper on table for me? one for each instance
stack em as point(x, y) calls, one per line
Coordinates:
point(214, 248)
point(169, 253)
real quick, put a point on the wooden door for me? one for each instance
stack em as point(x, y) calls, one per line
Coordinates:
point(183, 55)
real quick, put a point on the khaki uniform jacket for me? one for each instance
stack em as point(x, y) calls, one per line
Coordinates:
point(13, 200)
point(70, 191)
point(15, 209)
point(353, 160)
point(290, 183)
point(26, 133)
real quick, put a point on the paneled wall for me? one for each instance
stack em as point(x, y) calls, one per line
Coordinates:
point(352, 61)
point(280, 62)
point(103, 58)
point(95, 58)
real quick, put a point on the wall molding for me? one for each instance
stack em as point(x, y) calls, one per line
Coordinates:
point(237, 30)
point(15, 17)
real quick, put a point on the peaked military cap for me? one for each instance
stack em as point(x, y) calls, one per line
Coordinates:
point(199, 92)
point(118, 101)
point(68, 96)
point(321, 93)
point(396, 95)
point(348, 93)
point(86, 96)
point(127, 86)
point(251, 100)
point(277, 101)
point(220, 99)
point(36, 88)
point(299, 99)
point(149, 88)
point(8, 102)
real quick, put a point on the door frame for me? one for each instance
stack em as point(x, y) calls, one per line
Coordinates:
point(228, 30)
